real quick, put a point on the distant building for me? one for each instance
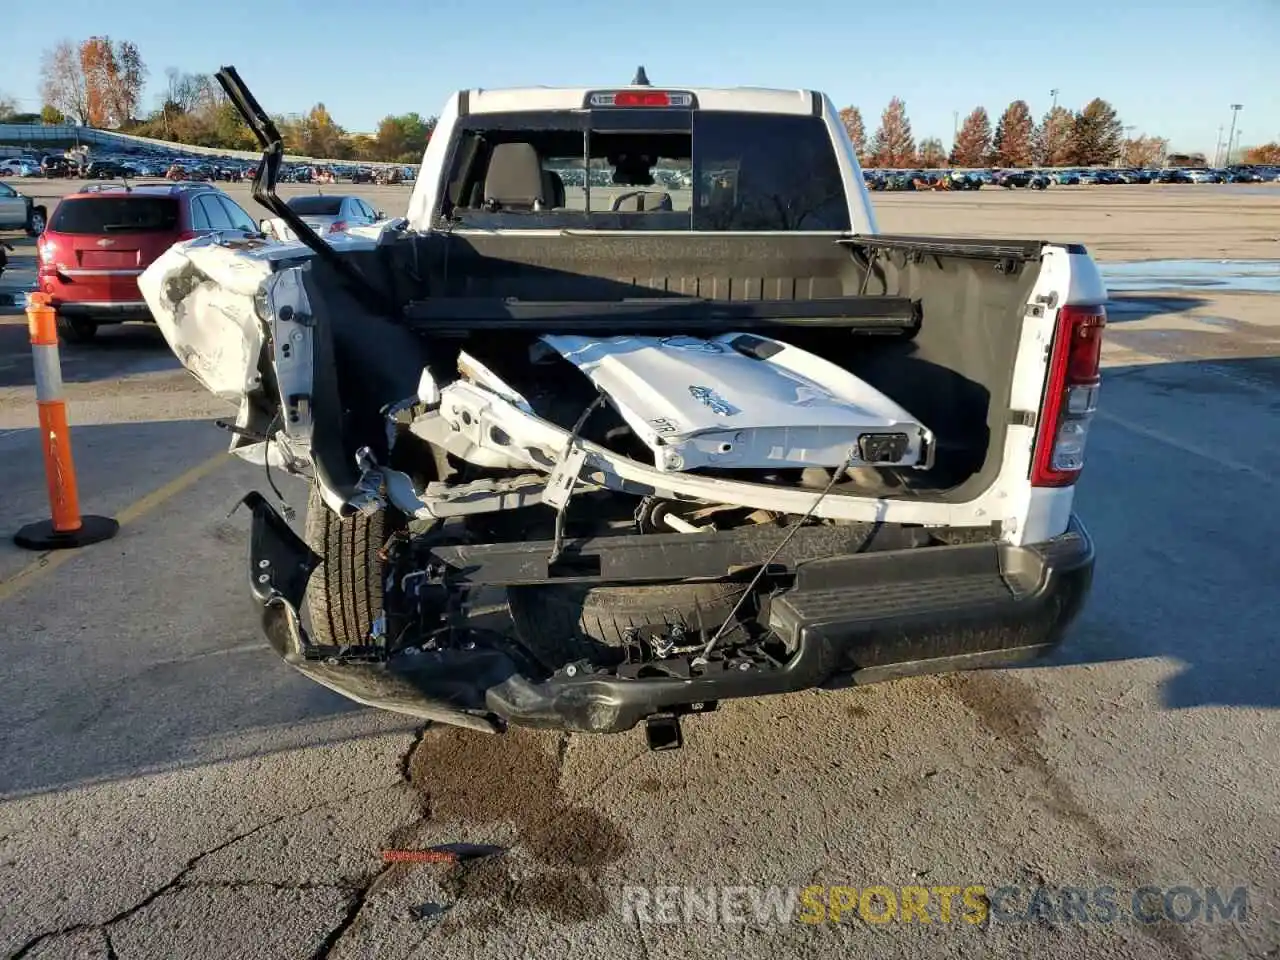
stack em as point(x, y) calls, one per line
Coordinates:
point(1185, 160)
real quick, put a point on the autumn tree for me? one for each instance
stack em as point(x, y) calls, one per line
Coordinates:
point(1144, 151)
point(1268, 153)
point(98, 69)
point(893, 145)
point(125, 76)
point(320, 136)
point(932, 154)
point(1013, 144)
point(973, 143)
point(62, 81)
point(851, 117)
point(96, 83)
point(364, 147)
point(402, 138)
point(1097, 135)
point(1053, 138)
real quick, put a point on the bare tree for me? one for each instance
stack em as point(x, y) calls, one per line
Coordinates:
point(125, 94)
point(185, 92)
point(1053, 138)
point(932, 154)
point(8, 107)
point(973, 143)
point(851, 117)
point(62, 81)
point(1013, 144)
point(893, 145)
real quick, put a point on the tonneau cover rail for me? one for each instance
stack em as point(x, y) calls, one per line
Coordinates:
point(462, 316)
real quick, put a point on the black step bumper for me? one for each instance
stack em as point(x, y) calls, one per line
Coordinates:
point(849, 620)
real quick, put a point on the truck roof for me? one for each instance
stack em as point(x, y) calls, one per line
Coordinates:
point(745, 99)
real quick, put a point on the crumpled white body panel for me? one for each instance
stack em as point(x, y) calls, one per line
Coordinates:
point(202, 296)
point(739, 401)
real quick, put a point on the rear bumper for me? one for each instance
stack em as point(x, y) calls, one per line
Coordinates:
point(103, 311)
point(848, 620)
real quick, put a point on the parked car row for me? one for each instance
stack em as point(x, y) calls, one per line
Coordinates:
point(153, 163)
point(880, 179)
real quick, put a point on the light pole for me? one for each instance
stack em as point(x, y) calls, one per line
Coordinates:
point(1217, 150)
point(1054, 93)
point(1235, 110)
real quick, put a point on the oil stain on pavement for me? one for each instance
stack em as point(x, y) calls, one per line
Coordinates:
point(514, 779)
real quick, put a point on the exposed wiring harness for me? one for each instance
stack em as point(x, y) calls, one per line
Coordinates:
point(701, 659)
point(557, 545)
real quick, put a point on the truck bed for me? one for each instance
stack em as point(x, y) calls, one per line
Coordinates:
point(952, 368)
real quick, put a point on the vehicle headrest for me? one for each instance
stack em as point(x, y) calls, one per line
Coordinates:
point(554, 193)
point(514, 179)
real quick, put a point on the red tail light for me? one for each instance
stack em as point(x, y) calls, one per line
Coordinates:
point(1070, 396)
point(640, 98)
point(47, 251)
point(339, 226)
point(626, 98)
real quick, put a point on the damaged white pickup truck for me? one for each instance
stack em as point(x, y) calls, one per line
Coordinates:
point(639, 358)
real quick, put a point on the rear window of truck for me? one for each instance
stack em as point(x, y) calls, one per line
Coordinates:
point(115, 215)
point(646, 169)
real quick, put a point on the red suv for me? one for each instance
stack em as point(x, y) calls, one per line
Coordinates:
point(99, 241)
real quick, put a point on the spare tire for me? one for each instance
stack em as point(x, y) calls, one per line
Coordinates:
point(560, 624)
point(344, 595)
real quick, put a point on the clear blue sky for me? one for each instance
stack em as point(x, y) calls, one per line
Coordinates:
point(1171, 67)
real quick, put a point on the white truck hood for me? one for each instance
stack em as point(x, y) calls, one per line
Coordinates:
point(743, 401)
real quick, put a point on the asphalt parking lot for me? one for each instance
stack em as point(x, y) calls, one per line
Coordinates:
point(169, 789)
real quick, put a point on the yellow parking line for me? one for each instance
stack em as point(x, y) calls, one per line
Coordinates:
point(48, 562)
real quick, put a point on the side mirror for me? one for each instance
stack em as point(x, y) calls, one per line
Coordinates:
point(379, 215)
point(265, 226)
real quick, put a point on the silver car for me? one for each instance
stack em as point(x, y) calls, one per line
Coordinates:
point(327, 214)
point(19, 212)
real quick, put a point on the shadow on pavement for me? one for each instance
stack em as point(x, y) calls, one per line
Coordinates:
point(1128, 307)
point(117, 351)
point(1181, 496)
point(145, 652)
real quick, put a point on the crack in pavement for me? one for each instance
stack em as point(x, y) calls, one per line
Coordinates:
point(179, 880)
point(361, 892)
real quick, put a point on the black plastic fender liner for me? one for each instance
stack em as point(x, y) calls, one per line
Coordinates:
point(446, 687)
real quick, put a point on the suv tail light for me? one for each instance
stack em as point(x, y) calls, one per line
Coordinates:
point(47, 254)
point(1070, 396)
point(338, 226)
